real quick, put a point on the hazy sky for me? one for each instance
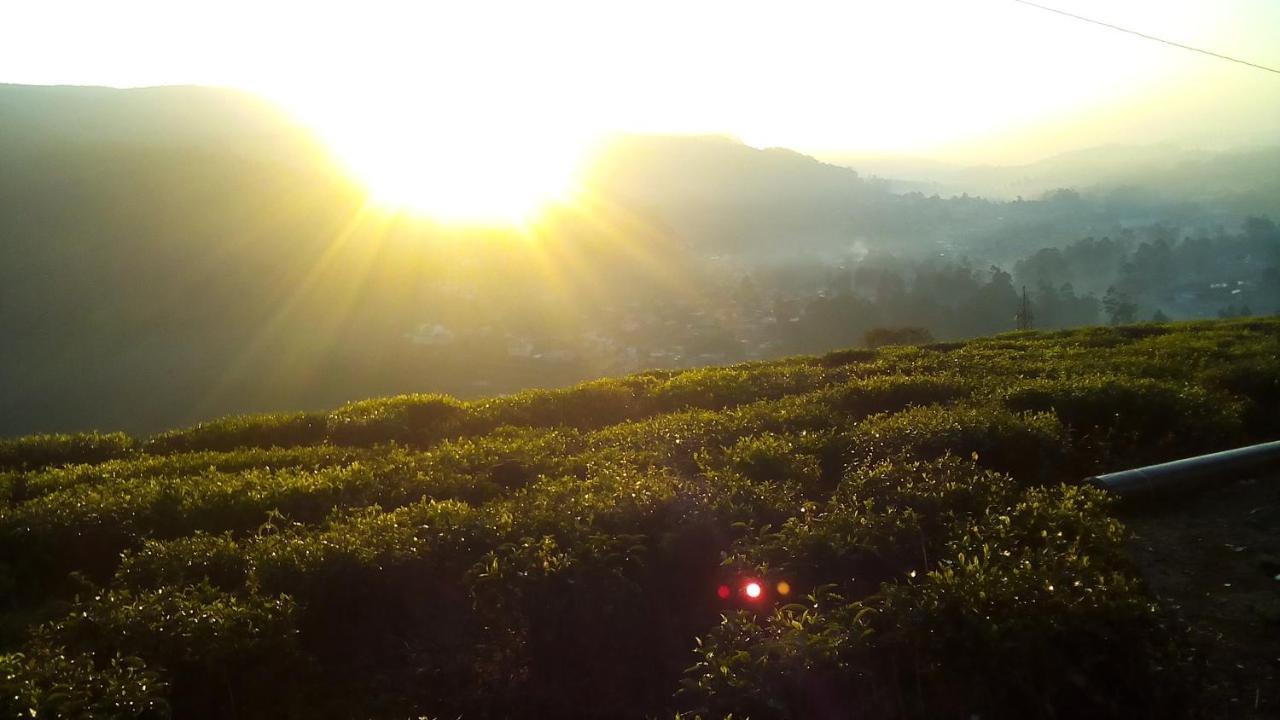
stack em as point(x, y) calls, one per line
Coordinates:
point(974, 80)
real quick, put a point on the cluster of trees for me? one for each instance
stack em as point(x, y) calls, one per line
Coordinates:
point(1153, 273)
point(947, 300)
point(1143, 275)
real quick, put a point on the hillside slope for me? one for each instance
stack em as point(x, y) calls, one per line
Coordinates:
point(867, 533)
point(168, 255)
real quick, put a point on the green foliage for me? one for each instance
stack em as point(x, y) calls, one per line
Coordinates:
point(1038, 595)
point(197, 558)
point(881, 336)
point(230, 651)
point(417, 419)
point(718, 388)
point(249, 431)
point(772, 458)
point(1256, 381)
point(891, 393)
point(590, 405)
point(38, 451)
point(85, 526)
point(1028, 446)
point(840, 358)
point(37, 484)
point(51, 683)
point(557, 553)
point(1122, 421)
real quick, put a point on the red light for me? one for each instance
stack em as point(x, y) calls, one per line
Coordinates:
point(752, 590)
point(723, 591)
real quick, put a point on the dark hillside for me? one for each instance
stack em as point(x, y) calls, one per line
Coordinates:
point(871, 533)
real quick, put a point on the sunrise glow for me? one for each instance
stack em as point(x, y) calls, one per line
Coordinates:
point(481, 111)
point(451, 165)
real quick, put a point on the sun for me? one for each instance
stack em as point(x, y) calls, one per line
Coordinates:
point(456, 165)
point(462, 178)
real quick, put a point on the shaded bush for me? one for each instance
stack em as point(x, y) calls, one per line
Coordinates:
point(1076, 637)
point(895, 392)
point(882, 336)
point(52, 682)
point(1256, 381)
point(1119, 421)
point(841, 358)
point(216, 653)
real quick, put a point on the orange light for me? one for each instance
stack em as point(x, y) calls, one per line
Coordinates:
point(784, 588)
point(753, 590)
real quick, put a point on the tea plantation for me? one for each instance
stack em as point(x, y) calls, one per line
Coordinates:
point(911, 519)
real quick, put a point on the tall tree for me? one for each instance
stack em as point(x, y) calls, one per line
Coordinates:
point(1120, 308)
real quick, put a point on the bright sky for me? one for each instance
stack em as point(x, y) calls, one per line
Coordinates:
point(969, 80)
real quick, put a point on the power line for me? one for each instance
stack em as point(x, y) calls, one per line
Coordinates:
point(1202, 51)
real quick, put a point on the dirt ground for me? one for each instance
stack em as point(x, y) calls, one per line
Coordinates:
point(1212, 556)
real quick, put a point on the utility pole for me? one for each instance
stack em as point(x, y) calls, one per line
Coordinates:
point(1025, 318)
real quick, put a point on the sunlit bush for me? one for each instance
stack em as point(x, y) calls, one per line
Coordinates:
point(590, 405)
point(250, 431)
point(718, 388)
point(1028, 446)
point(416, 419)
point(37, 451)
point(37, 484)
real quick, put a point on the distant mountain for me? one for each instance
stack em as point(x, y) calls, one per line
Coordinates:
point(39, 117)
point(727, 196)
point(1243, 180)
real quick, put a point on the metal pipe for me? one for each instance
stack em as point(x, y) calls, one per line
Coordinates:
point(1172, 475)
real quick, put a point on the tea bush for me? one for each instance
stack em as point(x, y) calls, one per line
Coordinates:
point(1029, 446)
point(39, 451)
point(926, 642)
point(1256, 382)
point(227, 652)
point(588, 406)
point(40, 483)
point(719, 388)
point(896, 392)
point(563, 553)
point(250, 431)
point(414, 419)
point(50, 682)
point(1133, 421)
